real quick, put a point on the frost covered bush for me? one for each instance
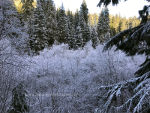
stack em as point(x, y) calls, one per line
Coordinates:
point(66, 80)
point(12, 71)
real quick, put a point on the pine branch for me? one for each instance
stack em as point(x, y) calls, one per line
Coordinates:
point(129, 96)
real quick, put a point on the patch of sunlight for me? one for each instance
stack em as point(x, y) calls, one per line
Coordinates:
point(18, 4)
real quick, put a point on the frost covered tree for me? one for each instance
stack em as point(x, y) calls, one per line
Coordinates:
point(12, 27)
point(103, 28)
point(132, 96)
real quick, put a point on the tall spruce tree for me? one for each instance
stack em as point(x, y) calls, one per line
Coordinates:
point(27, 8)
point(78, 38)
point(76, 19)
point(112, 26)
point(38, 40)
point(71, 29)
point(62, 26)
point(83, 22)
point(94, 37)
point(84, 11)
point(50, 20)
point(77, 34)
point(103, 28)
point(119, 29)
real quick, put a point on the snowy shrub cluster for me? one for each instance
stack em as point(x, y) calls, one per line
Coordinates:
point(63, 80)
point(12, 71)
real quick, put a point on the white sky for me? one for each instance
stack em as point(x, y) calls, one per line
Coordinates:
point(125, 9)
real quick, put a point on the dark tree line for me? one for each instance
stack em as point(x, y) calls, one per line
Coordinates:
point(47, 25)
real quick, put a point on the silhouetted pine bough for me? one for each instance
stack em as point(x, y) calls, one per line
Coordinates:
point(131, 96)
point(134, 41)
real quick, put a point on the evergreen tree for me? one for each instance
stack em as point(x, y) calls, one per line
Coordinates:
point(11, 27)
point(19, 102)
point(76, 19)
point(57, 14)
point(38, 40)
point(71, 29)
point(85, 34)
point(94, 38)
point(78, 38)
point(103, 28)
point(62, 26)
point(27, 8)
point(120, 27)
point(112, 26)
point(50, 20)
point(84, 11)
point(83, 22)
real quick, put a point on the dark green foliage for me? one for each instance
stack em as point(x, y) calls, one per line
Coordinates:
point(19, 102)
